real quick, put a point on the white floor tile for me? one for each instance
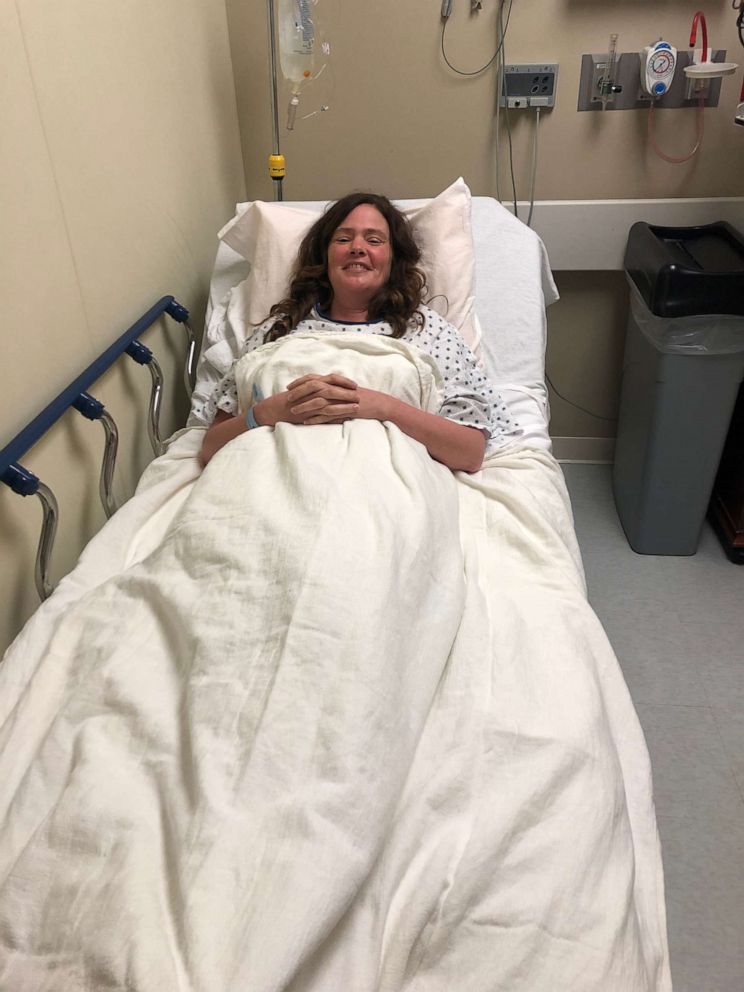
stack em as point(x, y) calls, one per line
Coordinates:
point(705, 903)
point(649, 642)
point(730, 724)
point(693, 778)
point(695, 969)
point(721, 663)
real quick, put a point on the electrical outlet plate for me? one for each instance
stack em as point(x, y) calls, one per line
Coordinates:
point(531, 85)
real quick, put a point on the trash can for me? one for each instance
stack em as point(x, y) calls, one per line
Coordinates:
point(683, 364)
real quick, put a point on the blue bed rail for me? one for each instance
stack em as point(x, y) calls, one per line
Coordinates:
point(25, 483)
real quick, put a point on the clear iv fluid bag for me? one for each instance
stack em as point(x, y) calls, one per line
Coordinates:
point(296, 40)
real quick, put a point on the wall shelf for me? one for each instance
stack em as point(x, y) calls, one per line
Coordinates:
point(590, 235)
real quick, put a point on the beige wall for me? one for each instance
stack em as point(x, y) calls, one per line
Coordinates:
point(586, 338)
point(119, 160)
point(402, 122)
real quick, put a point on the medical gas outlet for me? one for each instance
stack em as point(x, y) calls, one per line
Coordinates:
point(635, 79)
point(532, 85)
point(658, 64)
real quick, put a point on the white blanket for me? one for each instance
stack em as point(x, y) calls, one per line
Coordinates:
point(337, 719)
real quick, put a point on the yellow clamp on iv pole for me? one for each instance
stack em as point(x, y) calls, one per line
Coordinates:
point(277, 169)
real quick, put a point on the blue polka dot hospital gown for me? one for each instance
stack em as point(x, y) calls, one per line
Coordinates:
point(468, 396)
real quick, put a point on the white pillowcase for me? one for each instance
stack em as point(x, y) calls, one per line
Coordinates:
point(269, 234)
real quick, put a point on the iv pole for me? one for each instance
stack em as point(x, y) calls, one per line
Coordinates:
point(276, 159)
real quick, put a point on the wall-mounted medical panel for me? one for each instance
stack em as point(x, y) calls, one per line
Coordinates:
point(627, 79)
point(531, 85)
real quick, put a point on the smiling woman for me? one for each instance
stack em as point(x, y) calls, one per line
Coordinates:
point(359, 261)
point(357, 271)
point(395, 298)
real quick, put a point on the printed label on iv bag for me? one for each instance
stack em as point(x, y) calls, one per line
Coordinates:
point(296, 39)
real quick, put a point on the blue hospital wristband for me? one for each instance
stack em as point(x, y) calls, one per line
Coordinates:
point(250, 417)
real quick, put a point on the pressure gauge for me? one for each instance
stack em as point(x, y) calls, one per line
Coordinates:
point(658, 63)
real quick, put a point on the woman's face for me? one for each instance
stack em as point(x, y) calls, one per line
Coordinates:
point(360, 254)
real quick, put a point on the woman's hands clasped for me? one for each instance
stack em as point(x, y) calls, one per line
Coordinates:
point(311, 399)
point(323, 399)
point(334, 399)
point(320, 399)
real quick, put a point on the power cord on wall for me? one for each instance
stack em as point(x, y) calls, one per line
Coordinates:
point(583, 409)
point(500, 82)
point(499, 57)
point(533, 171)
point(534, 166)
point(499, 48)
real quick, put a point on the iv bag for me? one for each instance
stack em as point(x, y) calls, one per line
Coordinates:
point(303, 53)
point(296, 40)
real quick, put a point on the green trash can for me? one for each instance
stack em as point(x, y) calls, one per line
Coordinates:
point(683, 365)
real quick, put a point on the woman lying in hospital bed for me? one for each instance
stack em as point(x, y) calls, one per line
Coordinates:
point(347, 722)
point(357, 272)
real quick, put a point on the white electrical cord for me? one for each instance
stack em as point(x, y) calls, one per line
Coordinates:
point(534, 166)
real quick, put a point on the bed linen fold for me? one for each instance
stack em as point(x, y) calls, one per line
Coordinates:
point(333, 718)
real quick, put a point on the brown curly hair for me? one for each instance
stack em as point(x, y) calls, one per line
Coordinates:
point(397, 301)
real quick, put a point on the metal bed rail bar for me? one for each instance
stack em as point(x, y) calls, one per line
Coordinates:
point(75, 396)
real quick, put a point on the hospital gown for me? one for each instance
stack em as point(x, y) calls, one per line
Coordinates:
point(469, 398)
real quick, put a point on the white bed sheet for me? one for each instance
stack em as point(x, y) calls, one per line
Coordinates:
point(513, 286)
point(220, 771)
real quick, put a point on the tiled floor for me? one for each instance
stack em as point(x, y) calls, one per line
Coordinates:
point(677, 626)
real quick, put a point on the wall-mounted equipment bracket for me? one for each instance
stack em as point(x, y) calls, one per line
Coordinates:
point(628, 80)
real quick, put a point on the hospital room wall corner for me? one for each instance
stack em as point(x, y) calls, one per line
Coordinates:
point(119, 164)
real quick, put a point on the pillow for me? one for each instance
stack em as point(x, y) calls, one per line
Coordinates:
point(268, 236)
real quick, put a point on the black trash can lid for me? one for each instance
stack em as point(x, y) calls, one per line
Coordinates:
point(683, 271)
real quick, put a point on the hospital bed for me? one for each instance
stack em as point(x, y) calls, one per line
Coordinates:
point(292, 727)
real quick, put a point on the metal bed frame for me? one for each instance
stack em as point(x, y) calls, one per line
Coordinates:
point(25, 483)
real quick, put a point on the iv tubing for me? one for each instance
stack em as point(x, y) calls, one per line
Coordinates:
point(277, 184)
point(700, 131)
point(294, 103)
